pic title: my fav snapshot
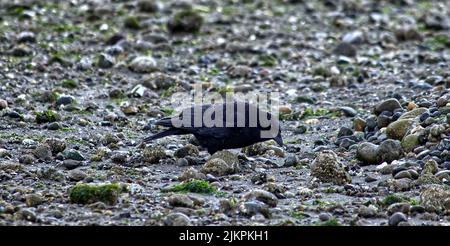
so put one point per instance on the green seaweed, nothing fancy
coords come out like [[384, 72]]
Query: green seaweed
[[193, 186], [69, 84], [46, 116], [86, 194]]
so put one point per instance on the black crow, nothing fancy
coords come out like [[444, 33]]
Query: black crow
[[242, 124]]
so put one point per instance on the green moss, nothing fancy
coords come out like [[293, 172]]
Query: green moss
[[391, 199], [169, 92], [46, 116], [267, 60], [16, 11], [187, 20], [304, 99], [77, 141], [438, 42], [310, 113], [321, 71], [229, 10], [132, 22], [356, 72], [168, 111], [224, 90], [285, 116], [83, 112], [69, 84], [194, 186], [297, 215], [214, 71], [86, 194], [413, 202], [61, 58]]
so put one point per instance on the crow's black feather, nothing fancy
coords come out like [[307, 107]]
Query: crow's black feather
[[215, 138]]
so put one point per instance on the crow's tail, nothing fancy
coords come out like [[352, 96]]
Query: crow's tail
[[167, 122], [172, 131]]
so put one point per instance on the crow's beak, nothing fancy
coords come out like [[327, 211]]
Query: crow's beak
[[279, 140]]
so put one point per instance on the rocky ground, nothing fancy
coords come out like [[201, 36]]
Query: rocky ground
[[364, 91]]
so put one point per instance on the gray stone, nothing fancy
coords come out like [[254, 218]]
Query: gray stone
[[327, 168], [398, 129], [388, 105], [177, 219], [180, 200], [143, 64], [390, 150], [262, 196], [368, 153], [396, 218], [410, 142]]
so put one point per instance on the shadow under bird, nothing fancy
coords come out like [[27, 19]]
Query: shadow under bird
[[242, 124]]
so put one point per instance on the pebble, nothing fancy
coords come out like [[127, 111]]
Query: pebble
[[120, 157], [368, 153], [187, 150], [430, 167], [3, 104], [390, 150], [354, 37], [255, 207], [71, 164], [153, 155], [325, 216], [191, 173], [33, 200], [74, 155], [398, 129], [291, 160], [345, 131], [180, 200], [143, 64], [64, 100], [389, 105], [414, 113], [130, 110], [147, 6], [177, 219], [26, 37], [410, 142], [359, 124], [403, 174], [399, 207], [217, 167], [56, 145], [77, 175], [185, 21], [396, 218], [443, 174], [263, 196], [43, 152], [348, 111], [327, 168], [28, 215], [345, 49], [27, 159], [54, 126], [367, 212]]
